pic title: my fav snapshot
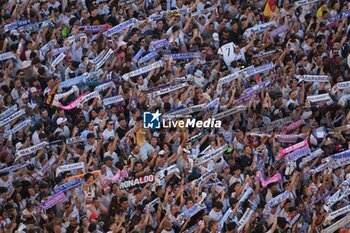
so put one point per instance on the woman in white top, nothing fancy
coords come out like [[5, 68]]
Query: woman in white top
[[109, 130], [90, 187]]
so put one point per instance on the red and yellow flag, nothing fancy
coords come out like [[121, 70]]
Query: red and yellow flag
[[270, 8]]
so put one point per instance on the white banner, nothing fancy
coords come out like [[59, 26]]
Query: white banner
[[193, 210], [47, 47], [89, 97], [343, 85], [304, 2], [278, 199], [224, 218], [113, 99], [311, 157], [338, 212], [104, 86], [8, 112], [319, 98], [211, 155], [67, 93], [198, 182], [56, 62], [18, 127], [5, 56], [74, 140], [187, 78], [259, 28], [169, 170], [205, 11], [275, 201], [98, 57], [30, 150], [259, 69], [70, 167], [143, 70], [340, 86], [294, 220], [340, 164], [12, 117], [152, 203], [120, 27], [229, 112], [77, 37], [235, 75], [337, 196], [104, 59], [168, 90], [342, 128], [186, 111], [245, 218], [342, 222], [245, 195], [313, 78]]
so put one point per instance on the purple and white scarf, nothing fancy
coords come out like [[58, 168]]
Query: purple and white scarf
[[53, 200], [288, 138], [15, 25], [293, 126], [138, 55], [119, 27], [148, 56], [295, 155], [338, 17], [12, 117], [66, 186], [154, 45], [14, 168], [182, 56], [47, 166], [281, 29], [5, 56]]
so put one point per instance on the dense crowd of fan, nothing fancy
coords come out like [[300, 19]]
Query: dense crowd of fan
[[78, 77]]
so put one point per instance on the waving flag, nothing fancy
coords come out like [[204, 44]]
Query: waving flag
[[270, 8]]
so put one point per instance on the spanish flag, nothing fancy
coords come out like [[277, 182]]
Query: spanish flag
[[270, 8]]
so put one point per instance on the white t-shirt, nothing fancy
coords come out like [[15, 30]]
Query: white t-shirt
[[35, 138], [144, 85], [7, 184], [227, 52], [113, 155], [216, 216], [65, 131], [107, 134], [91, 147], [234, 179]]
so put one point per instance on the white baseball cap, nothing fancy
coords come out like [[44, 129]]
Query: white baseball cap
[[24, 96], [33, 89], [25, 64], [14, 32], [121, 43], [18, 145], [216, 36], [61, 120], [198, 73]]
